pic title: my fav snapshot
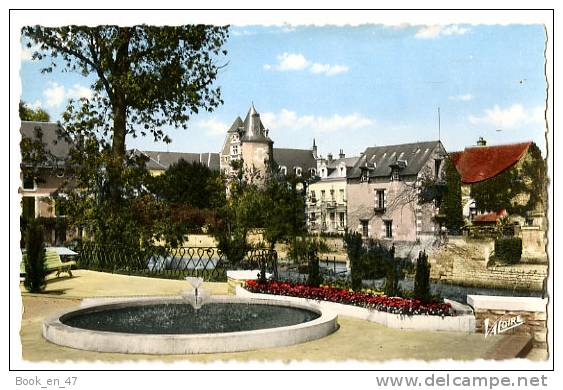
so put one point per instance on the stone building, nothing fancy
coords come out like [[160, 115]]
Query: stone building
[[326, 196], [383, 191], [249, 141]]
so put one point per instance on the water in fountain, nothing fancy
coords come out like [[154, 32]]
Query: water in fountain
[[197, 296]]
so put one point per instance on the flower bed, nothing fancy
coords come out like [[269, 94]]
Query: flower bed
[[394, 305]]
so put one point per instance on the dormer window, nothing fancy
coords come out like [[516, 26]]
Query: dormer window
[[342, 171], [395, 174], [298, 171], [312, 172], [364, 177], [283, 170], [323, 174]]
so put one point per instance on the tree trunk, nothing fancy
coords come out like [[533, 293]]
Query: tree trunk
[[120, 70]]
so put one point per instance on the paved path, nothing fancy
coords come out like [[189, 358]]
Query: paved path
[[355, 340]]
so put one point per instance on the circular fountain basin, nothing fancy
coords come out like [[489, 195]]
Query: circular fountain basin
[[173, 326]]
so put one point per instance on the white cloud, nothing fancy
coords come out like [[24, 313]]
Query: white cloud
[[56, 94], [463, 98], [290, 61], [79, 91], [296, 62], [213, 127], [510, 117], [329, 70], [432, 32], [34, 105], [290, 120]]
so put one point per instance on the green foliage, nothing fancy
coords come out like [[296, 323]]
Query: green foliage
[[241, 213], [36, 115], [392, 276], [34, 259], [422, 278], [526, 179], [508, 250], [355, 251], [145, 78], [188, 183], [284, 210], [372, 262], [451, 206]]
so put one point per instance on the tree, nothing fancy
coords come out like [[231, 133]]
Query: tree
[[145, 77], [451, 207], [192, 184], [422, 278], [355, 251], [284, 210], [518, 189], [29, 114], [34, 258]]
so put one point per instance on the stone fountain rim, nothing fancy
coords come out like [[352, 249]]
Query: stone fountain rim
[[103, 341]]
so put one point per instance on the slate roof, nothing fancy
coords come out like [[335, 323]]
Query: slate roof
[[50, 130], [292, 158], [379, 158], [479, 163], [333, 165], [162, 160], [252, 129]]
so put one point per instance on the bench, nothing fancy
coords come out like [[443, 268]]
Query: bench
[[52, 263]]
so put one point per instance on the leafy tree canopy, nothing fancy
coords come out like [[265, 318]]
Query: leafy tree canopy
[[30, 114], [145, 77]]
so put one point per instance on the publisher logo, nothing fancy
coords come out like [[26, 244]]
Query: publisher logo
[[502, 325]]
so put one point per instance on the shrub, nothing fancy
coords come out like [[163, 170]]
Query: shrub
[[355, 251], [422, 278], [508, 250], [314, 277], [392, 274], [34, 260]]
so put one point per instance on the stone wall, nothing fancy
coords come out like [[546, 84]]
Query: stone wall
[[533, 312]]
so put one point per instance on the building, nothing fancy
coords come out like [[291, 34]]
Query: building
[[326, 196], [36, 189], [480, 163], [159, 162], [249, 141], [383, 191]]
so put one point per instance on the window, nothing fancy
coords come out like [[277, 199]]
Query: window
[[297, 171], [342, 196], [313, 172], [331, 194], [313, 196], [341, 219], [437, 164], [342, 171], [28, 207], [234, 149], [388, 229], [365, 229], [313, 217], [380, 199], [364, 177], [29, 183], [283, 170], [322, 194], [395, 175]]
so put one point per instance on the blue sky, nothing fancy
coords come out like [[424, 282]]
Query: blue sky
[[353, 87]]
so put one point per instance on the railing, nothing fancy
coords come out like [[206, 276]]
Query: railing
[[174, 263], [298, 271]]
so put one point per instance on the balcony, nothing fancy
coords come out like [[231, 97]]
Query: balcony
[[330, 204]]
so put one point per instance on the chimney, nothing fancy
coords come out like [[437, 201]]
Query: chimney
[[481, 142], [341, 154], [329, 156]]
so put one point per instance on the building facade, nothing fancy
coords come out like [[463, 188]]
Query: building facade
[[326, 200], [383, 191]]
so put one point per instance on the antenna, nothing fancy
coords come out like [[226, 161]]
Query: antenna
[[439, 125]]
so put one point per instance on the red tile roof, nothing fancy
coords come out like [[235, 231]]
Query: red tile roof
[[490, 217], [480, 163]]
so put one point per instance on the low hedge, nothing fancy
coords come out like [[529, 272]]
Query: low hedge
[[508, 250]]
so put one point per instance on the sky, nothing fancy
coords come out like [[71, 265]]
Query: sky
[[353, 87]]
